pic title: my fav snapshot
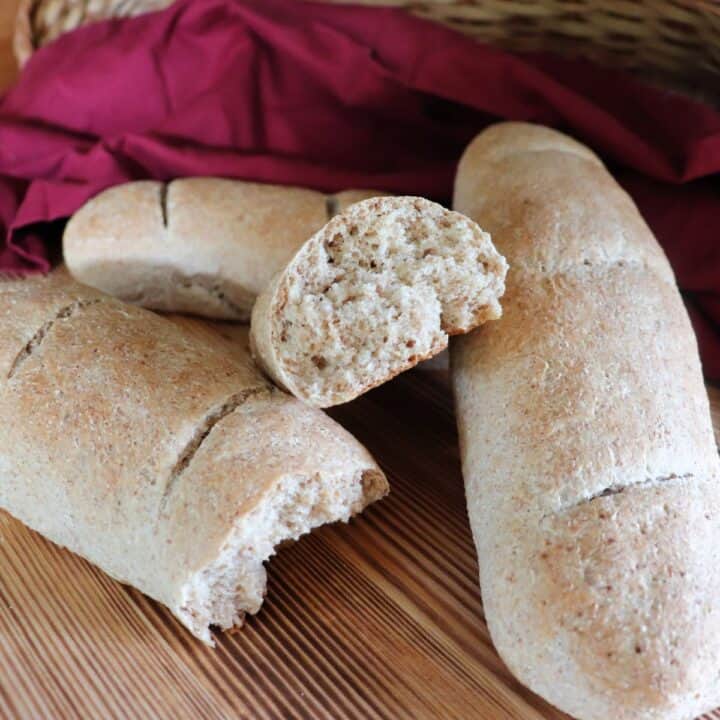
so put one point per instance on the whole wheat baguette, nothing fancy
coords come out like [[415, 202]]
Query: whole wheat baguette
[[373, 293], [158, 455], [590, 468], [205, 246]]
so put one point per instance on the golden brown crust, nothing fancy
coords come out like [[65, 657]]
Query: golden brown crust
[[123, 423], [566, 209], [635, 590], [205, 246], [586, 440], [254, 228]]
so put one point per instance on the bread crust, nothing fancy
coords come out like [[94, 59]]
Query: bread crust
[[205, 246], [143, 448], [591, 472]]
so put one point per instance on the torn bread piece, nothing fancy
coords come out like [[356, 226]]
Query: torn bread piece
[[162, 458], [373, 293], [205, 246]]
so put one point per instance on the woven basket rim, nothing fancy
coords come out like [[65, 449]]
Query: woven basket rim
[[682, 66], [23, 45]]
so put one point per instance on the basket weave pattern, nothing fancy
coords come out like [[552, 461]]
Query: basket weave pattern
[[41, 21], [676, 40], [679, 38]]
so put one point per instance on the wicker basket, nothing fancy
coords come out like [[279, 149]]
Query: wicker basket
[[675, 42], [680, 38], [41, 21]]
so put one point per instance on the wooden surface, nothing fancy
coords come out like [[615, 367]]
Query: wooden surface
[[379, 618]]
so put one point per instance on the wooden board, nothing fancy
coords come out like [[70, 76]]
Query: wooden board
[[377, 619]]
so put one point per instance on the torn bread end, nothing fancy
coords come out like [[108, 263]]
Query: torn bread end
[[233, 584], [377, 290]]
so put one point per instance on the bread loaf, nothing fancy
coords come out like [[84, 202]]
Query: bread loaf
[[373, 293], [205, 246], [590, 467], [158, 455]]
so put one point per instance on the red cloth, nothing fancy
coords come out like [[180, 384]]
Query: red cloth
[[333, 97]]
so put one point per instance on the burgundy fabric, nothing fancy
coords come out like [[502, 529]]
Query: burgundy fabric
[[333, 97]]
